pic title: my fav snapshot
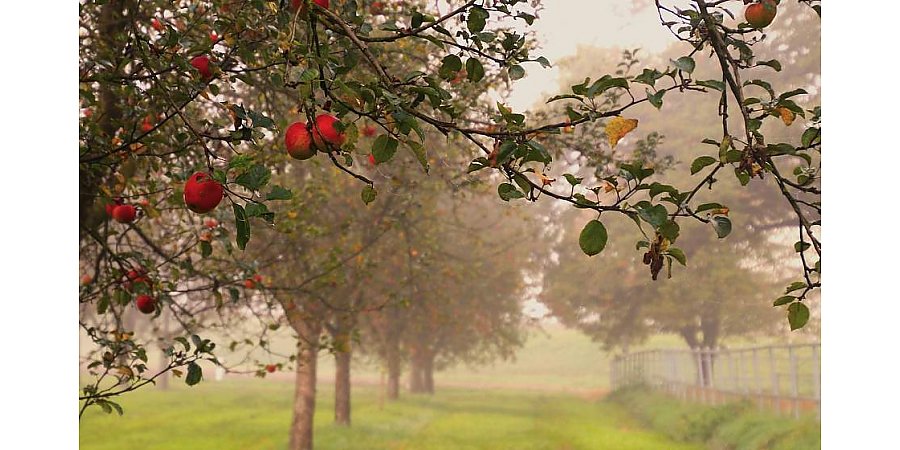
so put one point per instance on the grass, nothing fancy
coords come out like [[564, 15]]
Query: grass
[[255, 414]]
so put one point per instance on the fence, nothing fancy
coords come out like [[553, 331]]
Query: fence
[[783, 378]]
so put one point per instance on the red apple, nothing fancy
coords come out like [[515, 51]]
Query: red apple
[[206, 236], [145, 304], [376, 8], [258, 278], [202, 194], [135, 276], [211, 223], [156, 24], [325, 132], [88, 112], [301, 4], [124, 213], [249, 283], [111, 206], [201, 63], [761, 14], [146, 125], [271, 368], [297, 140], [213, 36], [86, 279], [372, 159], [368, 131]]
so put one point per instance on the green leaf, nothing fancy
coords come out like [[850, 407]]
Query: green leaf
[[508, 192], [477, 19], [656, 99], [368, 194], [685, 63], [800, 246], [516, 72], [279, 193], [242, 224], [572, 179], [655, 215], [474, 69], [260, 120], [773, 63], [194, 374], [670, 230], [722, 225], [712, 84], [798, 315], [784, 300], [678, 255], [205, 249], [593, 238], [384, 148], [450, 65], [797, 285], [810, 136], [700, 163], [707, 207], [254, 178]]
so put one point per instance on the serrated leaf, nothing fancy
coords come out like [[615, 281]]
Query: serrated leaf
[[593, 238], [368, 194], [798, 315]]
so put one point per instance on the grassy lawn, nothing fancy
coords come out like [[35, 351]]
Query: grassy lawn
[[255, 414]]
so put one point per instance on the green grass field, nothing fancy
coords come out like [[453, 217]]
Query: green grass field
[[255, 414]]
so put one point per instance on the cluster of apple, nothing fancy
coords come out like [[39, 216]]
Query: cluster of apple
[[761, 14], [120, 211], [250, 283]]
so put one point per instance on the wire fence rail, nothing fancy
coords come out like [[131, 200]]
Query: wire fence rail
[[783, 378]]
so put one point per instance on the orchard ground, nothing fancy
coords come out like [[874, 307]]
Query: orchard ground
[[551, 397]]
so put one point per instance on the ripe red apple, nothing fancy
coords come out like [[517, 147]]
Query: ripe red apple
[[124, 213], [111, 206], [86, 279], [326, 131], [301, 4], [201, 63], [145, 304], [136, 276], [271, 368], [211, 223], [368, 131], [88, 112], [202, 194], [146, 125], [761, 14], [297, 140], [249, 283], [258, 278], [156, 24], [213, 36]]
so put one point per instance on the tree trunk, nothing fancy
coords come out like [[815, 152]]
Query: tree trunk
[[393, 384], [416, 375], [342, 388], [305, 393], [428, 373]]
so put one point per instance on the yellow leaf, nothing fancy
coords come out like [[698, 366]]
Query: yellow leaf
[[545, 181], [618, 127], [787, 116]]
